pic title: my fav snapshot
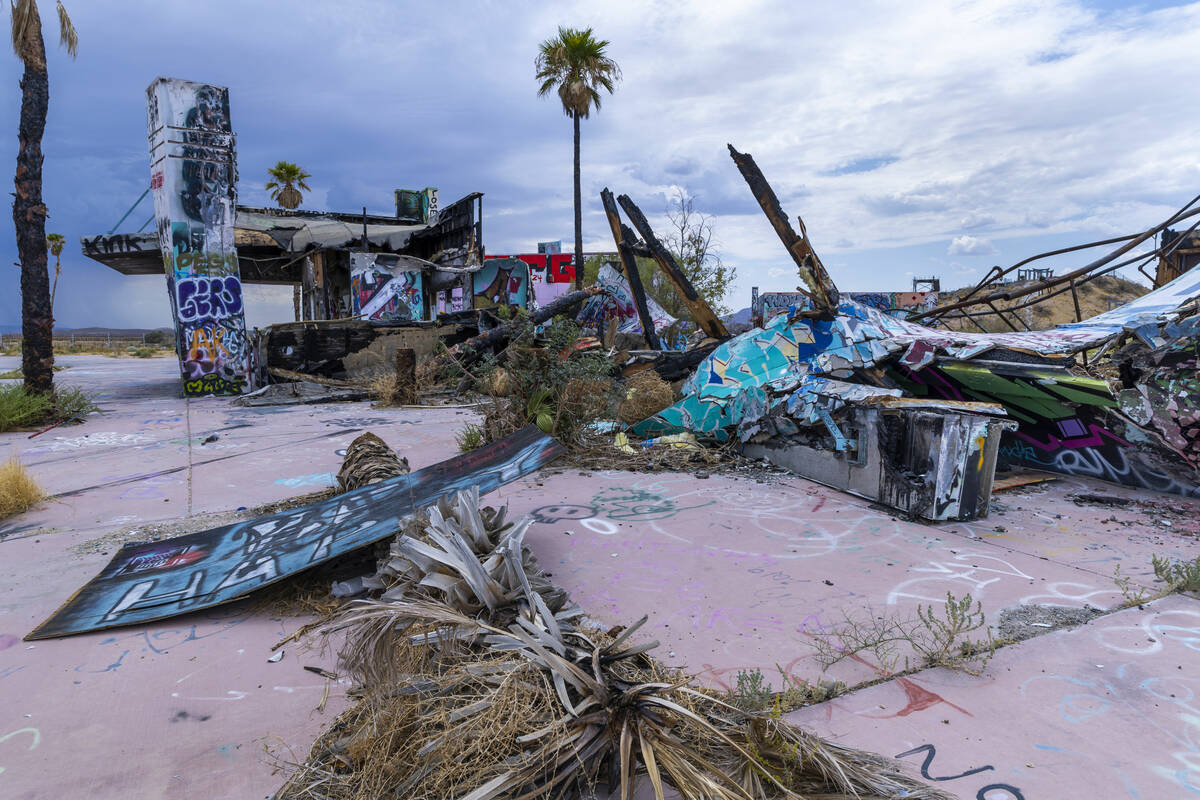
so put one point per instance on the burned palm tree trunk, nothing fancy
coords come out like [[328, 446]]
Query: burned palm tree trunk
[[624, 239], [821, 289], [708, 321], [29, 217]]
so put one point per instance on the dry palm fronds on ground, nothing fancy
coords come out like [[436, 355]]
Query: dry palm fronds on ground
[[479, 682], [18, 491]]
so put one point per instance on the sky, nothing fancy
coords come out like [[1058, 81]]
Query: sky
[[915, 138]]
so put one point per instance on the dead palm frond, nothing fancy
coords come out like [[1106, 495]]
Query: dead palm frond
[[27, 24], [67, 37], [492, 692]]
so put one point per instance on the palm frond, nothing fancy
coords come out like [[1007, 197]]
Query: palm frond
[[516, 699], [67, 37], [25, 24]]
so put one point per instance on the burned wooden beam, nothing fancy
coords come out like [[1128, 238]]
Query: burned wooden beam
[[624, 238], [821, 288], [473, 349], [701, 311]]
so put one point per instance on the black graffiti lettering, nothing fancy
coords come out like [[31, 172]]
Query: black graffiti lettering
[[116, 243], [1010, 792], [931, 751]]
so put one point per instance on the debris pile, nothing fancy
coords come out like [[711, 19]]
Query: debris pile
[[479, 679], [918, 417]]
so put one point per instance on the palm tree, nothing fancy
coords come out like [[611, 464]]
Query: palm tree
[[575, 63], [29, 213], [285, 178], [55, 242]]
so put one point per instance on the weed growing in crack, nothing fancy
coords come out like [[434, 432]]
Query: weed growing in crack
[[1134, 594], [937, 637], [1178, 575], [753, 693]]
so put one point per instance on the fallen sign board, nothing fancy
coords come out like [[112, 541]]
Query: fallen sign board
[[147, 581]]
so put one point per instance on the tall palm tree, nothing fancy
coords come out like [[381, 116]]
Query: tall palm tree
[[55, 242], [29, 213], [576, 64], [285, 178]]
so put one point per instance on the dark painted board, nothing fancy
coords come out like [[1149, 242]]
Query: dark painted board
[[148, 581]]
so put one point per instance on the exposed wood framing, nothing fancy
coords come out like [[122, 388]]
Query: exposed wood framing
[[701, 311], [623, 238]]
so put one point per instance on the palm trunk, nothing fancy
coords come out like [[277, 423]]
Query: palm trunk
[[54, 286], [578, 213], [29, 218]]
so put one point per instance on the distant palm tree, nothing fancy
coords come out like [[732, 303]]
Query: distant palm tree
[[576, 64], [29, 212], [55, 242], [285, 178]]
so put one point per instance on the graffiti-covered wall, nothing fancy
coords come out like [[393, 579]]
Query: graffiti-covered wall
[[193, 174], [501, 282], [1068, 423], [381, 288], [617, 302]]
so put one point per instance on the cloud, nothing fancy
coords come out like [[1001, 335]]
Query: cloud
[[919, 123], [973, 220], [970, 246], [865, 164]]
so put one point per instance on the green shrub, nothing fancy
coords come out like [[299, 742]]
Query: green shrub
[[1178, 575], [549, 383], [471, 437], [19, 409]]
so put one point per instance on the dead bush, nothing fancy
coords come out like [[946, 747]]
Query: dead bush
[[18, 491], [645, 395]]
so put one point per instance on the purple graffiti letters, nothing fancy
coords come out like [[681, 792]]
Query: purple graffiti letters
[[208, 298]]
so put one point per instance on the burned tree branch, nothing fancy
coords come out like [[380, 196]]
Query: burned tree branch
[[623, 237], [821, 289], [708, 321]]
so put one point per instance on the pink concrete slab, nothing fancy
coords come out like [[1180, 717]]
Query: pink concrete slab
[[1110, 710], [186, 709], [738, 575], [734, 574]]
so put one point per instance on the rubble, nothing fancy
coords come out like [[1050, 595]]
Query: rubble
[[807, 387]]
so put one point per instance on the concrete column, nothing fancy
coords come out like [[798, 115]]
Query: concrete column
[[193, 174]]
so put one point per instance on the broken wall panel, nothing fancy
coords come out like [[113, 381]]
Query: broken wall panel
[[194, 178], [934, 463], [147, 581], [1068, 424], [501, 282], [383, 287], [618, 303]]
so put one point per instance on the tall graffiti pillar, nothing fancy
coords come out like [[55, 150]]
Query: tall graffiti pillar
[[193, 173]]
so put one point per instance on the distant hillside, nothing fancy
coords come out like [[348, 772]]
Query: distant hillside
[[1095, 297], [92, 331]]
